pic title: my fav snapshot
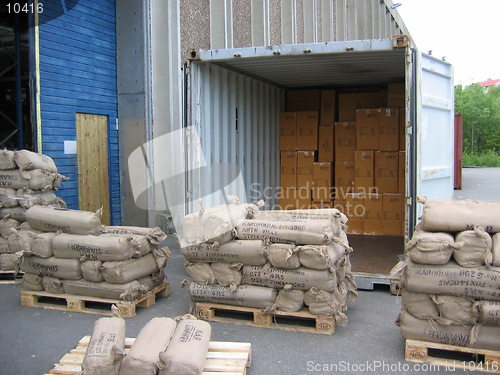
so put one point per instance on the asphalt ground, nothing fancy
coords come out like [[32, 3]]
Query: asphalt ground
[[33, 339]]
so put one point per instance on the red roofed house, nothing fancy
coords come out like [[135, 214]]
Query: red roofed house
[[489, 83]]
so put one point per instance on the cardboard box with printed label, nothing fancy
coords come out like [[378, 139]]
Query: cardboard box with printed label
[[388, 130], [373, 214], [328, 108], [307, 131], [363, 171], [323, 182], [293, 199], [367, 128], [326, 143], [344, 178], [396, 95], [305, 161], [355, 211], [386, 171], [345, 141], [288, 131], [288, 169], [392, 219], [350, 102]]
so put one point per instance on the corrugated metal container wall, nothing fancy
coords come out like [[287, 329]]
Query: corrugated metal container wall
[[77, 74], [218, 24]]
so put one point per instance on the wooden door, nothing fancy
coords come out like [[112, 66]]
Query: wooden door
[[93, 177]]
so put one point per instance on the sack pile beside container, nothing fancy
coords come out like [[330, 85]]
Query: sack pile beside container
[[451, 275], [239, 255], [27, 179]]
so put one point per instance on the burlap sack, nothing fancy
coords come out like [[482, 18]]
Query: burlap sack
[[32, 282], [288, 299], [52, 285], [13, 179], [219, 222], [323, 257], [28, 160], [40, 179], [4, 246], [28, 198], [420, 305], [42, 244], [143, 357], [299, 232], [477, 245], [151, 281], [51, 219], [451, 279], [62, 268], [301, 278], [431, 248], [106, 347], [7, 160], [186, 353], [89, 247], [121, 272], [140, 242], [154, 235], [17, 213], [485, 337], [336, 218], [488, 312], [8, 226], [8, 198], [127, 292], [324, 303], [201, 273], [456, 310], [459, 215], [227, 274], [21, 240], [9, 262], [91, 270], [495, 251], [282, 255], [244, 295], [191, 230], [249, 253]]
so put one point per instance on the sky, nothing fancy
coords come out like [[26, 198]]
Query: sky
[[465, 32]]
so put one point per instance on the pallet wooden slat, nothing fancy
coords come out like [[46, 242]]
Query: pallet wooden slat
[[76, 303], [11, 277], [418, 351], [276, 319], [228, 358]]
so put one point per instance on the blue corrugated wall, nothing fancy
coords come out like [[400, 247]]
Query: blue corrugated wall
[[78, 74]]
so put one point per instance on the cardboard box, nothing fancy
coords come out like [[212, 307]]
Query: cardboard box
[[367, 128], [373, 214], [288, 169], [396, 95], [355, 211], [345, 141], [388, 129], [328, 108], [382, 99], [340, 192], [386, 171], [344, 173], [288, 131], [293, 199], [339, 205], [363, 171], [305, 160], [320, 205], [323, 182], [307, 130], [350, 102], [303, 100], [402, 129], [402, 172], [393, 214], [326, 144]]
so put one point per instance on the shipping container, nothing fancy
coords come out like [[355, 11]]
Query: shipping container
[[234, 98]]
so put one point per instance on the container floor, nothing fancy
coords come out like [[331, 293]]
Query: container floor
[[375, 254]]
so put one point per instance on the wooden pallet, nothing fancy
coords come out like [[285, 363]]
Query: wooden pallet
[[11, 277], [302, 321], [451, 356], [228, 358], [92, 305]]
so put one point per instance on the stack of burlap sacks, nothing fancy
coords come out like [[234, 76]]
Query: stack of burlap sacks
[[237, 254], [69, 251], [164, 346], [26, 179], [450, 277]]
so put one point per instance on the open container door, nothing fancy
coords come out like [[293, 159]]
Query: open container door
[[434, 128]]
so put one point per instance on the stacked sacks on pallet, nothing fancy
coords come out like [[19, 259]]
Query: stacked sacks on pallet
[[451, 279], [72, 252], [278, 260], [26, 179]]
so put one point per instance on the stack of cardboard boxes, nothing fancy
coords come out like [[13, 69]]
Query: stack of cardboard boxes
[[352, 158]]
